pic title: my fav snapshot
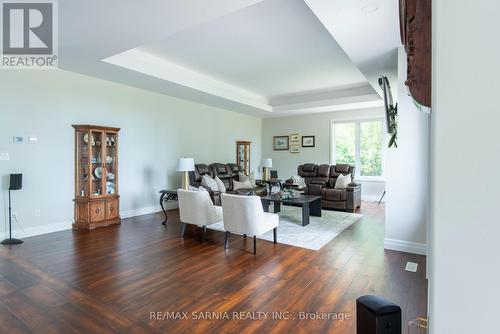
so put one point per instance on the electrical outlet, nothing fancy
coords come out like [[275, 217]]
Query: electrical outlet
[[411, 266], [18, 139], [38, 213], [4, 156], [14, 215]]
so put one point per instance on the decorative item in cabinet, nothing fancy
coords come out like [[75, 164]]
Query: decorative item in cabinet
[[243, 156], [97, 198]]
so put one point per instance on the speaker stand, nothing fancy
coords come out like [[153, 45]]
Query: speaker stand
[[11, 241]]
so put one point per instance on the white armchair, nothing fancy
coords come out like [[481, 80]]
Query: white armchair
[[245, 215], [196, 208]]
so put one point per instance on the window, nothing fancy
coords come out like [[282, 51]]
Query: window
[[359, 143]]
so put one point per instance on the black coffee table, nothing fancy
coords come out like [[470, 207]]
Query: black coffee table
[[311, 205]]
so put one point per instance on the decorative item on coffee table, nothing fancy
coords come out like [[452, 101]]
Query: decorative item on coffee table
[[96, 176]]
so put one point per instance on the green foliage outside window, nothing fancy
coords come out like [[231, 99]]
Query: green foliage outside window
[[370, 146], [345, 143]]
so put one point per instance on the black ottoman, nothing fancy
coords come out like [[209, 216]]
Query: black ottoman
[[375, 315]]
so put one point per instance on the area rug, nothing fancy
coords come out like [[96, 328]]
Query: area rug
[[318, 233]]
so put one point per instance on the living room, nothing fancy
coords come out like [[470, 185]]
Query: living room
[[219, 168]]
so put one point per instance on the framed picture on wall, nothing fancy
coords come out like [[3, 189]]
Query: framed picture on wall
[[281, 143], [308, 141], [295, 138], [294, 148]]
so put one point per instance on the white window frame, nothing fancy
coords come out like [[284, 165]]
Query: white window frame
[[357, 157]]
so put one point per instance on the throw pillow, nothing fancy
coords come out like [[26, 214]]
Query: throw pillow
[[220, 184], [200, 188], [242, 185], [250, 178], [209, 183], [343, 181], [299, 181]]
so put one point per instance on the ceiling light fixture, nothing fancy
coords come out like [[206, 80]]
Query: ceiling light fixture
[[370, 8]]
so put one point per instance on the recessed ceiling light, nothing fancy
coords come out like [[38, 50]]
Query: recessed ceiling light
[[370, 8]]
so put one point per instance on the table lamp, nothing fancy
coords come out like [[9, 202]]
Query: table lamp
[[266, 164], [185, 165]]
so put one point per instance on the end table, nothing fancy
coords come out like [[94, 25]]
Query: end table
[[167, 195]]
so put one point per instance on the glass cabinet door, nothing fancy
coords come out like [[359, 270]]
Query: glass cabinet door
[[96, 163], [111, 163], [82, 163], [243, 156]]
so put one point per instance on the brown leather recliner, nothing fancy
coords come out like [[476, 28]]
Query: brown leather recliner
[[348, 199], [224, 173], [196, 176], [320, 181]]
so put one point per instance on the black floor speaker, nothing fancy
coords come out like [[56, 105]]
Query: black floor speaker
[[375, 315], [16, 182]]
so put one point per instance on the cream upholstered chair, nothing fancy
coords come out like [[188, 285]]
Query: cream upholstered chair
[[245, 215], [196, 208]]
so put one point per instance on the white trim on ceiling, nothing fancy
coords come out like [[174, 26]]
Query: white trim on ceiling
[[148, 64], [335, 99]]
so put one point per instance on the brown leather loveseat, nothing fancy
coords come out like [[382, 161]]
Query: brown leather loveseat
[[320, 181]]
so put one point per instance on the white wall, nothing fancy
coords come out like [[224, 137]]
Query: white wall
[[465, 228], [156, 131], [407, 177], [318, 125]]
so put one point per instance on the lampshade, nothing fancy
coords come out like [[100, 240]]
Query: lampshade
[[268, 163], [185, 165]]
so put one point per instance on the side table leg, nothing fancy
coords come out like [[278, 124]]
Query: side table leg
[[277, 206], [162, 197], [265, 205]]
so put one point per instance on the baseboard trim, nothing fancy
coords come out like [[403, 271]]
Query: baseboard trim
[[147, 210], [66, 225], [405, 246], [37, 230], [372, 199]]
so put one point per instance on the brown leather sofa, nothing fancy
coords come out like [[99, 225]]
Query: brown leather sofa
[[227, 173], [320, 181]]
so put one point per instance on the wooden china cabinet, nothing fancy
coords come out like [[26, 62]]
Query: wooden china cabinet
[[97, 200], [243, 156]]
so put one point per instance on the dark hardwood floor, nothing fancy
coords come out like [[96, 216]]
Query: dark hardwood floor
[[110, 280]]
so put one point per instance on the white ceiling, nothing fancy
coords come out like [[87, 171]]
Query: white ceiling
[[369, 38], [267, 58], [275, 47]]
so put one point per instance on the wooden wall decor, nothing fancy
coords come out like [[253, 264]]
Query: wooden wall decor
[[97, 200], [416, 36]]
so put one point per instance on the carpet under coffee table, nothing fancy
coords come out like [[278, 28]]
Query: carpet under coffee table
[[311, 205]]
